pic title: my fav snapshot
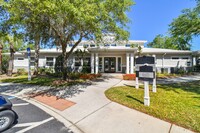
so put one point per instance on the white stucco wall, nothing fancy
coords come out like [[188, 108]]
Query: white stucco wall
[[168, 62]]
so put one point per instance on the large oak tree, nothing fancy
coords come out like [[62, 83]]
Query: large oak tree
[[74, 20]]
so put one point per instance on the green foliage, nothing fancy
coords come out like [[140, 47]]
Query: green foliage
[[74, 75], [61, 22], [5, 59], [182, 30], [44, 71], [21, 71], [161, 41], [186, 26]]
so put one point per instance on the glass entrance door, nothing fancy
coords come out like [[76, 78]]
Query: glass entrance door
[[110, 64]]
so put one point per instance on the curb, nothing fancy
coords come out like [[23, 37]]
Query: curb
[[51, 112]]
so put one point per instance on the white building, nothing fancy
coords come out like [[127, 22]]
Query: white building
[[118, 57]]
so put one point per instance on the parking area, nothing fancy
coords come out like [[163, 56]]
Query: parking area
[[32, 119]]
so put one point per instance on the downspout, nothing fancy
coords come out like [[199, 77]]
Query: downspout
[[163, 62]]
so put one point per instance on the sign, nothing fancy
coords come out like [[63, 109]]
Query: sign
[[145, 60], [29, 51], [145, 73], [29, 66]]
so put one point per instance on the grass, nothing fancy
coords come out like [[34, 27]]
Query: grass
[[42, 81], [176, 103]]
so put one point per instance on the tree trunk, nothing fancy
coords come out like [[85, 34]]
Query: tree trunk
[[1, 47], [11, 60], [37, 49], [64, 61]]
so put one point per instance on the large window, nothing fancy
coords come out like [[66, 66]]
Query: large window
[[49, 61]]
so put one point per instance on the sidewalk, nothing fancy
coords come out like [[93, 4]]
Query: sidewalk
[[94, 113]]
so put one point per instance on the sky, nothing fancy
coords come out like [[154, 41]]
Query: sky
[[152, 17]]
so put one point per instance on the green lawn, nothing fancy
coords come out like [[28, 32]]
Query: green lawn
[[176, 103], [43, 81], [24, 80]]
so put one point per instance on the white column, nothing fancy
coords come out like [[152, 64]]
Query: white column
[[92, 62], [154, 80], [127, 63], [146, 93], [194, 61], [96, 63], [132, 63]]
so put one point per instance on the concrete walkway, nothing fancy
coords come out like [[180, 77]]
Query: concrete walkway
[[179, 79], [94, 113]]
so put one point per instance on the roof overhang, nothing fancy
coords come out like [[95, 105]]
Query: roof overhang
[[112, 49]]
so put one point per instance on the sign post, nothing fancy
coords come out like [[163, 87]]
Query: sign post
[[146, 93], [145, 71], [154, 80], [29, 66]]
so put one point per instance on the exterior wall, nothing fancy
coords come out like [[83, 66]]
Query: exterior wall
[[167, 63], [24, 63]]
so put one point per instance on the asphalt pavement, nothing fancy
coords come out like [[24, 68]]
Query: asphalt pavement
[[32, 119]]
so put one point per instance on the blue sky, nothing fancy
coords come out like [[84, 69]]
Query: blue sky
[[152, 17]]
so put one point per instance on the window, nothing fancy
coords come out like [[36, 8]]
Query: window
[[77, 61], [128, 45], [185, 58], [100, 64], [20, 58], [49, 61], [86, 61], [86, 45], [71, 45], [113, 45], [175, 58], [119, 63], [106, 45], [92, 45], [32, 61]]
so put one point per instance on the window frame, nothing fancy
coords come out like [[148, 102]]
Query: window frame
[[19, 58], [48, 61], [175, 57]]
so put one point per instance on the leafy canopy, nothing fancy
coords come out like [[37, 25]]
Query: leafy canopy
[[182, 30]]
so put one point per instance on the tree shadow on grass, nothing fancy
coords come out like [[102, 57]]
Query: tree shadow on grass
[[35, 90], [193, 86], [40, 86], [135, 99]]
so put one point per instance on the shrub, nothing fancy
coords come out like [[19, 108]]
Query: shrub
[[41, 70], [5, 59], [129, 76], [21, 71], [90, 76], [74, 76]]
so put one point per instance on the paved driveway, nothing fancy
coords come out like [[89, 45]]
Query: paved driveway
[[31, 119]]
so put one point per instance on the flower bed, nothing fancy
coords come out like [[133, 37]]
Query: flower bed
[[129, 76], [90, 76]]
